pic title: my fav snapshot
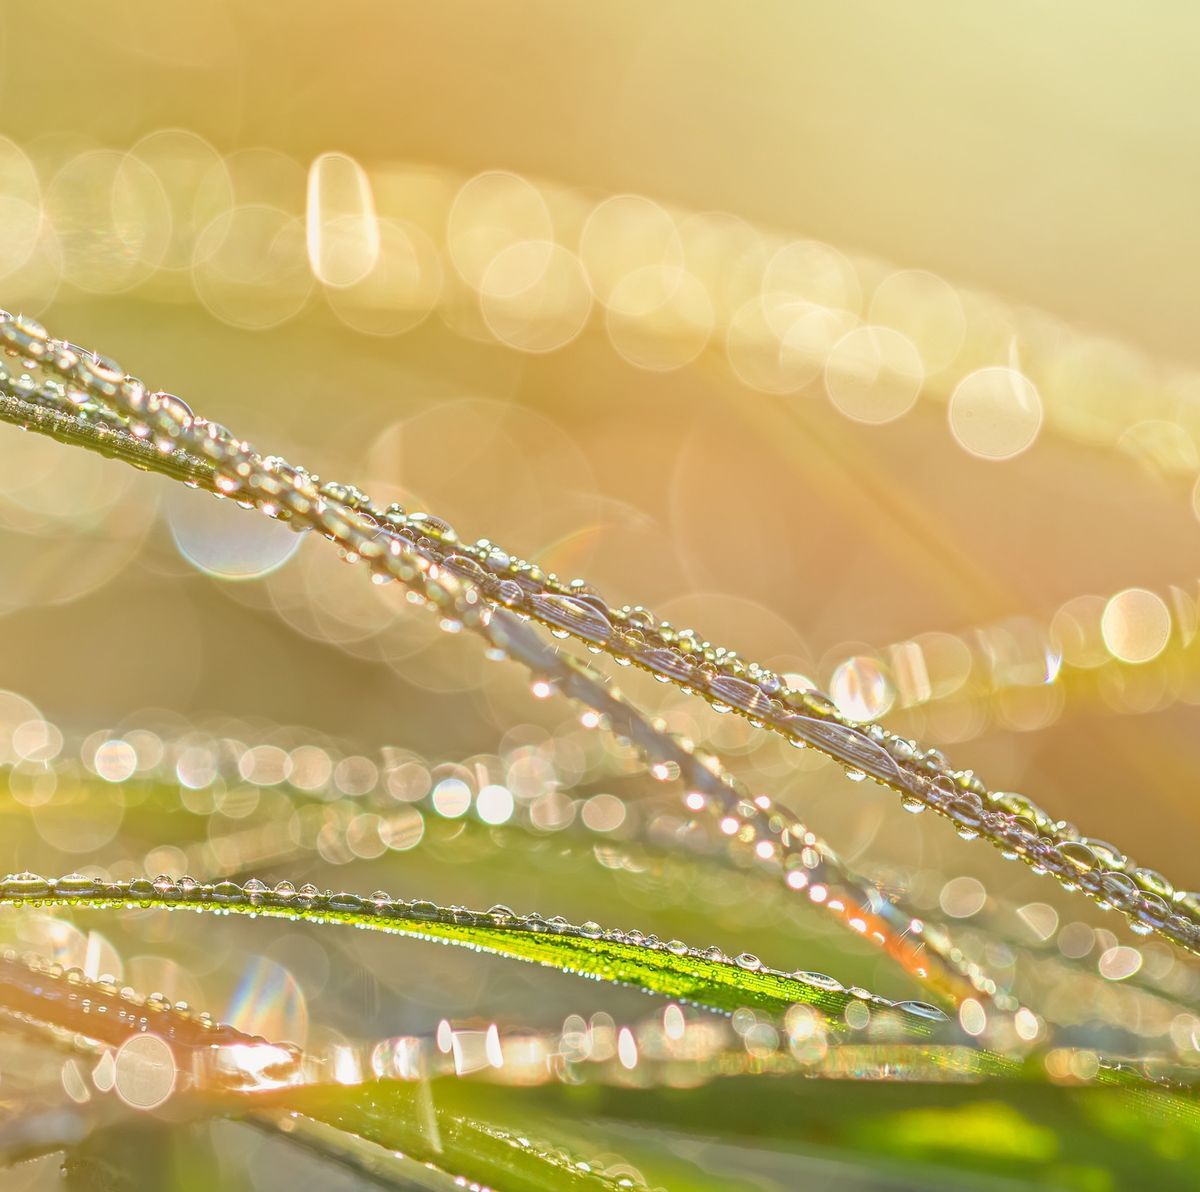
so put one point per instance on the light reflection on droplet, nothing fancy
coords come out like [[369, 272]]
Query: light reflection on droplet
[[995, 413], [1136, 625]]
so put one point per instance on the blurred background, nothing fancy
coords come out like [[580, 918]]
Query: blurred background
[[857, 337]]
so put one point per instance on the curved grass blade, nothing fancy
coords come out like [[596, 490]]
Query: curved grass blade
[[703, 977], [467, 584]]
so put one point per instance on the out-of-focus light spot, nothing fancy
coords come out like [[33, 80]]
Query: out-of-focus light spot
[[911, 673], [534, 296], [196, 183], [995, 413], [494, 804], [874, 374], [972, 1017], [74, 1084], [1040, 917], [491, 213], [451, 798], [105, 1072], [223, 541], [444, 1037], [857, 1015], [346, 1065], [1076, 940], [815, 273], [673, 1023], [403, 829], [627, 1051], [115, 761], [603, 813], [112, 220], [624, 233], [251, 267], [926, 309], [962, 897], [144, 1072], [778, 344], [401, 288], [659, 317], [1025, 1023], [552, 811], [355, 775], [20, 208], [495, 1053], [1075, 630], [1116, 964], [861, 688], [341, 228], [1136, 625]]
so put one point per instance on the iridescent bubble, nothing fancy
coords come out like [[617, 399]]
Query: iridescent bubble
[[995, 413]]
